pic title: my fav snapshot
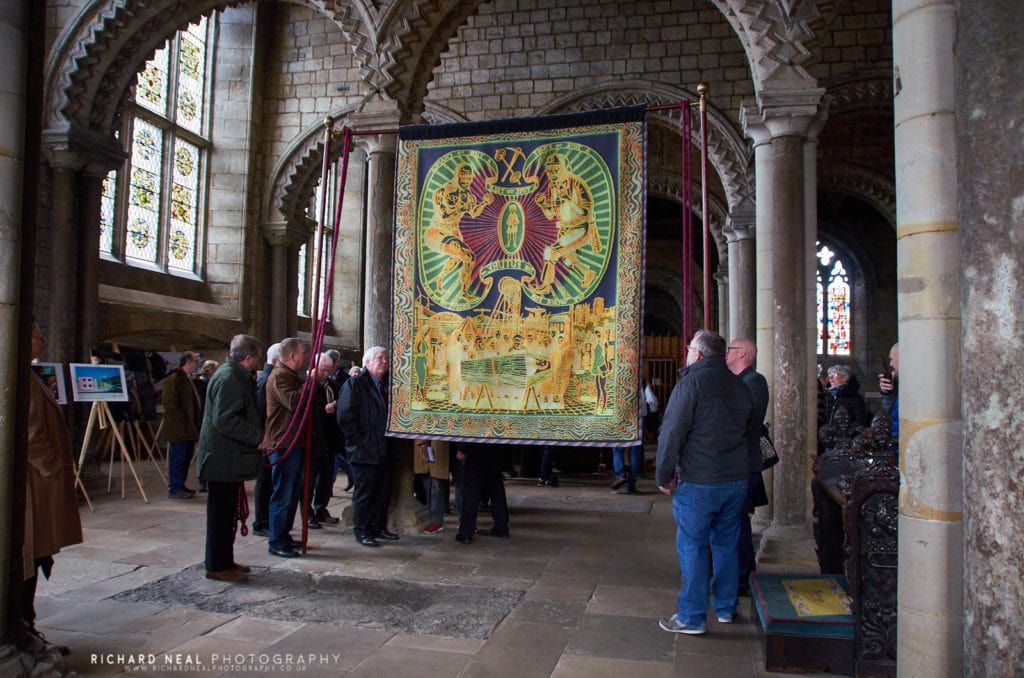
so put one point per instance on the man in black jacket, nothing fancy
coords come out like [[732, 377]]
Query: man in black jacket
[[703, 440], [363, 416]]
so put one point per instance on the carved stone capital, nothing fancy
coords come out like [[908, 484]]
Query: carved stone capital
[[740, 224], [74, 148], [780, 113], [377, 113], [285, 234]]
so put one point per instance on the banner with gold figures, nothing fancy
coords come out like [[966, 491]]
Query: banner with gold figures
[[518, 279]]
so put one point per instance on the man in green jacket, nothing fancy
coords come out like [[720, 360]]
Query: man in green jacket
[[228, 453], [183, 415]]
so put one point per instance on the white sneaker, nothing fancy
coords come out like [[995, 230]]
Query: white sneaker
[[722, 619], [673, 625]]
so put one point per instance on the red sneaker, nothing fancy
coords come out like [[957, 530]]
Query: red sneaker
[[434, 528]]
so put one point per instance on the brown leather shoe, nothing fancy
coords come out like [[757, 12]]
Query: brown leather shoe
[[245, 569], [231, 575]]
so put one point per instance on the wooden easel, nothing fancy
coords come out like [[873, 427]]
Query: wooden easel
[[134, 434], [101, 417]]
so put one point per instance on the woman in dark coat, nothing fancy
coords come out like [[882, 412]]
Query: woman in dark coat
[[844, 391]]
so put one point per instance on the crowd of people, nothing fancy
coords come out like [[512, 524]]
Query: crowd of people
[[239, 422]]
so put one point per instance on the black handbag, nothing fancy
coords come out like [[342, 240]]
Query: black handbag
[[769, 457]]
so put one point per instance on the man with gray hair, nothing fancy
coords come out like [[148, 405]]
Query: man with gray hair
[[228, 455], [703, 442], [363, 416], [284, 393]]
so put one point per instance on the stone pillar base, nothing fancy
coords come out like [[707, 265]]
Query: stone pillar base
[[787, 548]]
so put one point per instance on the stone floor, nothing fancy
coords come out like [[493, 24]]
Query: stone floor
[[576, 591]]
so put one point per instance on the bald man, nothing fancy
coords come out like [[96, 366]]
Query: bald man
[[740, 358]]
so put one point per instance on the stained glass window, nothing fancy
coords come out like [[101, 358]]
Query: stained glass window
[[191, 77], [107, 205], [144, 193], [833, 304], [163, 186], [151, 89]]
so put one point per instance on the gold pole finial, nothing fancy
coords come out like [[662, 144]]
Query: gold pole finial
[[328, 122], [702, 90]]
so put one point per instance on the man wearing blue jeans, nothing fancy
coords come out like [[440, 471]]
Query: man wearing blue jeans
[[703, 441], [183, 417], [284, 391]]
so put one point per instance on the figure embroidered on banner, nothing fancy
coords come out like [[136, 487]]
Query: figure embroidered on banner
[[567, 201], [453, 201]]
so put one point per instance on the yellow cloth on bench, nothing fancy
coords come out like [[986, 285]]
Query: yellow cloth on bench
[[818, 597]]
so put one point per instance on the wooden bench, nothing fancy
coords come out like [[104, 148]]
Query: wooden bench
[[857, 478]]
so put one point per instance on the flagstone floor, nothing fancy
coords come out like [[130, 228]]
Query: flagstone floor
[[576, 591]]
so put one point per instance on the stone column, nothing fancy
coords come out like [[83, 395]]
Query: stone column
[[721, 277], [989, 111], [88, 311], [779, 130], [61, 321], [405, 512], [13, 84], [283, 238], [739, 236], [930, 606], [380, 217]]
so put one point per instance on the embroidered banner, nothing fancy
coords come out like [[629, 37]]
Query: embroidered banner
[[518, 279]]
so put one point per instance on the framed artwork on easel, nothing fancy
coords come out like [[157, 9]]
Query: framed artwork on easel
[[52, 377], [98, 383]]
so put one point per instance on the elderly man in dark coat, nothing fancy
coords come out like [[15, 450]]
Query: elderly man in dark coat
[[703, 442], [363, 416], [228, 453]]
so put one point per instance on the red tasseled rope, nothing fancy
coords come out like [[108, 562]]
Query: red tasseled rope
[[686, 134], [293, 437]]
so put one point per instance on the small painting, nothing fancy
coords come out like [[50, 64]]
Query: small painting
[[98, 383], [52, 376]]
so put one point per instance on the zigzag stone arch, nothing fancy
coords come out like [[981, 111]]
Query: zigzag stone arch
[[778, 37], [867, 92], [99, 53], [399, 44], [294, 178], [877, 190], [728, 153], [667, 186]]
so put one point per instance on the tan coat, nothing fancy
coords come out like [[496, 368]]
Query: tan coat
[[439, 467], [183, 410], [51, 507]]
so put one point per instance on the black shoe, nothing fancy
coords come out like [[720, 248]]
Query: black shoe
[[384, 534], [547, 482], [367, 540], [492, 532], [313, 524], [619, 482], [283, 553], [260, 531], [463, 540], [351, 484], [324, 517], [181, 494]]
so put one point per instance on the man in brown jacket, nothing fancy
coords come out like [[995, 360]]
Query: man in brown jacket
[[51, 507], [284, 390], [183, 417]]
